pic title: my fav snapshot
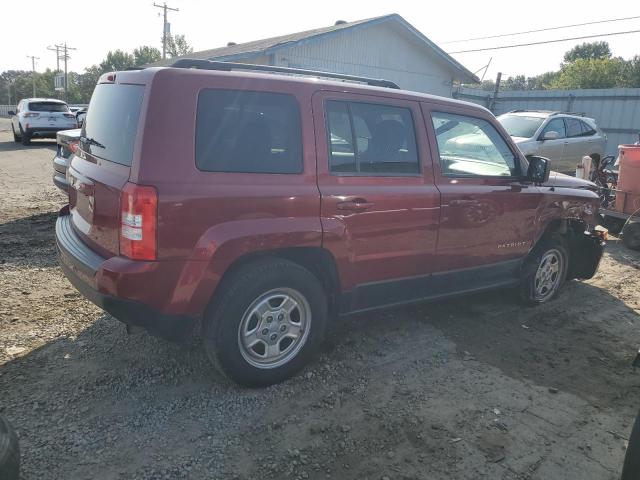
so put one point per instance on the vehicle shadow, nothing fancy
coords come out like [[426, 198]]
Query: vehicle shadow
[[583, 342], [29, 240], [10, 146]]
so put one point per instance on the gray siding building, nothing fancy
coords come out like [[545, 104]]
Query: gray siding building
[[386, 47]]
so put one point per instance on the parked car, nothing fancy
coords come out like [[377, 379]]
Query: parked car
[[67, 144], [40, 118], [562, 137], [81, 115], [259, 205]]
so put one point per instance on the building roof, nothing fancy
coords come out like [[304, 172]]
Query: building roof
[[270, 45]]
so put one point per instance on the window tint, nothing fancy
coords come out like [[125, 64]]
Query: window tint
[[370, 139], [587, 131], [111, 125], [48, 107], [555, 125], [472, 147], [574, 127], [248, 132]]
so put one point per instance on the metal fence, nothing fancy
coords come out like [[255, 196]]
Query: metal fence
[[617, 110]]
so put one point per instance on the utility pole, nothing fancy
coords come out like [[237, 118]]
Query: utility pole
[[65, 56], [165, 26], [56, 48], [33, 71], [492, 105]]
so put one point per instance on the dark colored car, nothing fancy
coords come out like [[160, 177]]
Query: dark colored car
[[67, 144], [255, 206]]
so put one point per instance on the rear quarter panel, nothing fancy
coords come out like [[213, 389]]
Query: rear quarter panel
[[207, 220]]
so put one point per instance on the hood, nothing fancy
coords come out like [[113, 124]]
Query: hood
[[566, 181]]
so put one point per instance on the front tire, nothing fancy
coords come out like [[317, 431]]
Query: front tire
[[545, 271], [267, 322], [16, 138]]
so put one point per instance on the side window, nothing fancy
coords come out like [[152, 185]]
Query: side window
[[248, 132], [472, 147], [587, 130], [555, 125], [574, 127], [371, 139]]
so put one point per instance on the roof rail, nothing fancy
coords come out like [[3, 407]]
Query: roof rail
[[228, 66], [577, 114]]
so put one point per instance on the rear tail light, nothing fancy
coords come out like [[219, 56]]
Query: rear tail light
[[73, 146], [138, 222], [31, 114]]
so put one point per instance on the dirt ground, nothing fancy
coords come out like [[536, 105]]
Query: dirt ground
[[477, 387]]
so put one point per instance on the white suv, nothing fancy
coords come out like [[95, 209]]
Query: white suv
[[562, 137], [40, 118]]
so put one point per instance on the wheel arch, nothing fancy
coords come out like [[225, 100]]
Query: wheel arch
[[319, 261]]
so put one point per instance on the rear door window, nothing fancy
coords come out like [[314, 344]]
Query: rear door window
[[371, 139], [248, 132], [110, 128], [574, 127]]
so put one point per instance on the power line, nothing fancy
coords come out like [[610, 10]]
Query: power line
[[541, 30], [545, 42]]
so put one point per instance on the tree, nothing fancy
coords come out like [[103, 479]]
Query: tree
[[591, 73], [542, 81], [632, 73], [588, 51], [144, 55], [177, 46], [117, 60]]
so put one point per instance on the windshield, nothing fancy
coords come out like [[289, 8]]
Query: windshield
[[48, 107], [519, 125], [110, 128]]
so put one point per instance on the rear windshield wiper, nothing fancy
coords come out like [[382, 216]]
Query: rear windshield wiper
[[92, 141]]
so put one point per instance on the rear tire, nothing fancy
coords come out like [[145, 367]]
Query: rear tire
[[266, 323], [26, 138], [9, 452], [631, 236], [545, 270], [631, 467]]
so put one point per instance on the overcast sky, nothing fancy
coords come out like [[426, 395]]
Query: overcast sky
[[95, 27]]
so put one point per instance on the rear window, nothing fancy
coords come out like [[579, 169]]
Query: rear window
[[248, 132], [109, 131], [47, 107]]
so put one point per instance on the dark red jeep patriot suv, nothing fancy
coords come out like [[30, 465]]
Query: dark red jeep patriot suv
[[252, 206]]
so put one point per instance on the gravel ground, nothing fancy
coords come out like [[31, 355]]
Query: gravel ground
[[473, 388]]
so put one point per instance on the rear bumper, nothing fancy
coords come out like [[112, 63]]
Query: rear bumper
[[60, 165], [46, 132], [84, 268]]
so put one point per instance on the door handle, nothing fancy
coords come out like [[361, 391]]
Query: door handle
[[356, 205]]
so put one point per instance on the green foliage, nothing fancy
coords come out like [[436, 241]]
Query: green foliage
[[177, 45], [591, 73], [588, 51], [144, 55], [589, 65], [117, 60]]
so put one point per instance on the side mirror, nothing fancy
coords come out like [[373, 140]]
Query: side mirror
[[11, 113], [539, 169], [550, 135]]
